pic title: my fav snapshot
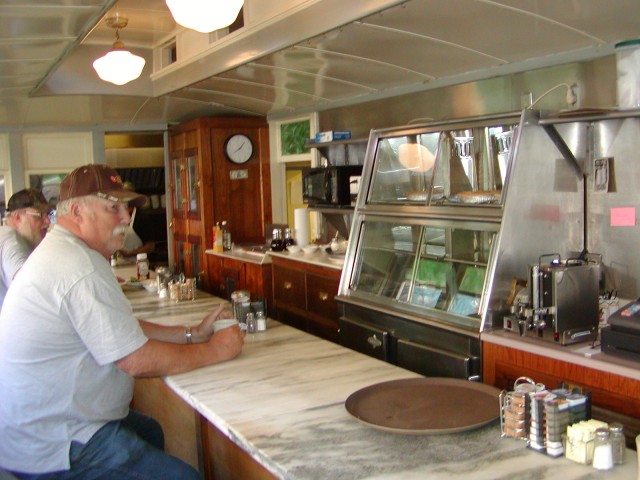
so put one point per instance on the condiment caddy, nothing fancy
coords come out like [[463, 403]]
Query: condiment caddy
[[558, 423]]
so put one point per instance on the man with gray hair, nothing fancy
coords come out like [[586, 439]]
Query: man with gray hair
[[70, 349], [27, 222]]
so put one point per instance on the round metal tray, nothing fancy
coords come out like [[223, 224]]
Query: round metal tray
[[425, 405]]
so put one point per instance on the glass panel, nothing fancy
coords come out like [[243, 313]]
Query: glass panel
[[386, 258], [403, 168], [177, 182], [193, 184], [466, 166], [436, 267]]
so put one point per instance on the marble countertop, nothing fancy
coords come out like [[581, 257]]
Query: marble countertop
[[320, 258], [282, 401]]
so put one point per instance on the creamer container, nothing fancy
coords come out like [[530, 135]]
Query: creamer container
[[142, 266]]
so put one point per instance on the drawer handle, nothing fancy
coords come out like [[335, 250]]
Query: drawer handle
[[323, 296], [374, 341], [288, 285]]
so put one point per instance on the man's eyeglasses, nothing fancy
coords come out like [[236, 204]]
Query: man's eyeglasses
[[41, 215]]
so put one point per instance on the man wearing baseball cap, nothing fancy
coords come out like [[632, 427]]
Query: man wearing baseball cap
[[27, 222], [70, 348]]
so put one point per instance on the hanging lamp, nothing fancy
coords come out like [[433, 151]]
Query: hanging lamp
[[118, 66], [205, 15]]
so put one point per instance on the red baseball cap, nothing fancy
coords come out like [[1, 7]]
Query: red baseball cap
[[101, 181]]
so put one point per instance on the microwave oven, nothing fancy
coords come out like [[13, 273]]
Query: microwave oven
[[336, 185]]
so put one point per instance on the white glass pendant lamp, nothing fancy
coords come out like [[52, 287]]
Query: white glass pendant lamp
[[118, 66], [205, 15]]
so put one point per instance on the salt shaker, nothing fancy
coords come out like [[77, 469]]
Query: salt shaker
[[261, 321], [251, 323], [602, 453], [618, 444]]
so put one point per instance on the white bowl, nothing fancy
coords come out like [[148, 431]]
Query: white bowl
[[294, 249], [150, 286], [309, 248]]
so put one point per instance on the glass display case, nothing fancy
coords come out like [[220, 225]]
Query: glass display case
[[420, 271]]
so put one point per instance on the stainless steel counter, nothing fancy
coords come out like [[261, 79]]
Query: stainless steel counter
[[282, 401]]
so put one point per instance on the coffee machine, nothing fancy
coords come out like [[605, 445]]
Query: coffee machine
[[560, 302]]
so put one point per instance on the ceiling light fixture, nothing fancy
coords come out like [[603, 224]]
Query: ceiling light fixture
[[118, 66], [205, 15]]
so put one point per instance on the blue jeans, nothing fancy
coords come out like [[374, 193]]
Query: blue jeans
[[129, 449]]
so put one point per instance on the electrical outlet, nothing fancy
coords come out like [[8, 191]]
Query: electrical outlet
[[526, 99]]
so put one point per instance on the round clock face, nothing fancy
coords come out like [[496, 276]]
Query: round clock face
[[238, 148]]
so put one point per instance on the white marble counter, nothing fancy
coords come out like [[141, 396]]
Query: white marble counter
[[319, 257], [242, 254], [282, 401], [582, 354]]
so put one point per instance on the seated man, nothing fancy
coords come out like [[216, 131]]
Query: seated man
[[70, 348], [27, 222]]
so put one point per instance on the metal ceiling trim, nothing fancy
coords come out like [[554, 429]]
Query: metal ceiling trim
[[371, 61], [313, 75], [431, 39], [86, 30], [260, 85], [255, 41], [544, 19]]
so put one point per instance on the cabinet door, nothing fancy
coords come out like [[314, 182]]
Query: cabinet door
[[289, 287], [367, 339], [322, 306]]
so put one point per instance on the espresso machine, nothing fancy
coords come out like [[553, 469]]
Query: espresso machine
[[559, 303]]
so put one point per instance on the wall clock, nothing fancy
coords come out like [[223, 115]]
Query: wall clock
[[238, 148]]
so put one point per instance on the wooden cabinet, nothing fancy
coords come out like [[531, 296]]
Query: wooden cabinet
[[614, 397], [304, 297], [208, 188], [227, 274]]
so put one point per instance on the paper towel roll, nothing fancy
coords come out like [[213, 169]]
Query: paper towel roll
[[301, 225]]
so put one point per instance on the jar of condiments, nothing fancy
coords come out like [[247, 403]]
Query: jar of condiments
[[618, 444], [602, 451], [277, 242], [288, 238], [142, 266]]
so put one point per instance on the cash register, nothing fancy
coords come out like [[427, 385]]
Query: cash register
[[622, 334]]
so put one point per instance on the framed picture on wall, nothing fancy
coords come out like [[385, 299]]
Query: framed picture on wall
[[292, 136]]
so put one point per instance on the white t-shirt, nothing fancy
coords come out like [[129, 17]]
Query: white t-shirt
[[64, 323], [14, 250]]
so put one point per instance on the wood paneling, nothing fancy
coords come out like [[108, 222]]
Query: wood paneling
[[224, 460], [180, 423]]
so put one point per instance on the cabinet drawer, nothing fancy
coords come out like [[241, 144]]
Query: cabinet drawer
[[366, 339], [288, 287], [321, 293], [433, 362]]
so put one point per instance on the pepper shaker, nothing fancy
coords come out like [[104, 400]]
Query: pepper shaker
[[251, 323]]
